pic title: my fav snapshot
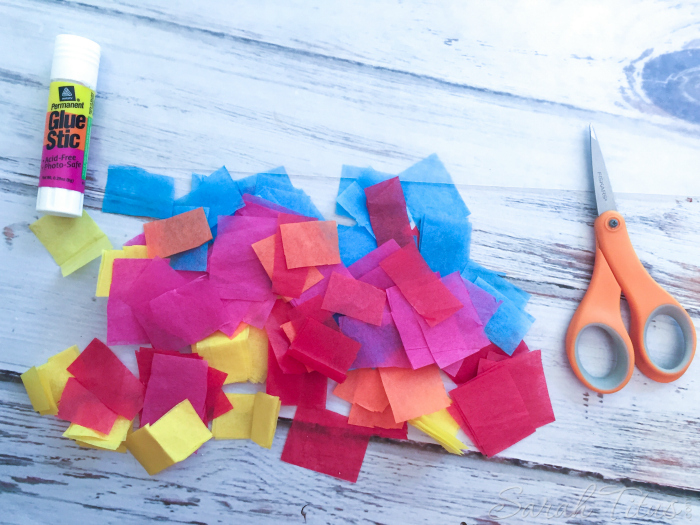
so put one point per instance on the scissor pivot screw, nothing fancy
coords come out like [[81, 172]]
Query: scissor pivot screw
[[613, 223]]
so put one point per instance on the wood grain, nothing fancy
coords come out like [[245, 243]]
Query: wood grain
[[503, 96], [238, 481], [272, 104]]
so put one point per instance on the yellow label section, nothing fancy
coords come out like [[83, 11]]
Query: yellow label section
[[71, 97]]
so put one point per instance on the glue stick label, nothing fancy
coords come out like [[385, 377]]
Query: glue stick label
[[67, 136]]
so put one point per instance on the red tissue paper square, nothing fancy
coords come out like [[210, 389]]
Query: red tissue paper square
[[348, 296], [174, 379], [464, 370], [421, 287], [387, 212], [493, 410], [217, 404], [103, 374], [144, 360], [323, 441], [324, 350], [80, 406], [528, 374], [308, 389], [278, 340]]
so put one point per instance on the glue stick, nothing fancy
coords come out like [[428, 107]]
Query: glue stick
[[76, 61]]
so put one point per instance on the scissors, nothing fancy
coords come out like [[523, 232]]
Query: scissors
[[616, 268]]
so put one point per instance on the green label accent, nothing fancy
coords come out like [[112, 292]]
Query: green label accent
[[87, 147]]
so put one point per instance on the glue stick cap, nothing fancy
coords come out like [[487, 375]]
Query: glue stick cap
[[76, 58]]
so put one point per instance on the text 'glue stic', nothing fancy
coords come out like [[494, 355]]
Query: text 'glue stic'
[[76, 61]]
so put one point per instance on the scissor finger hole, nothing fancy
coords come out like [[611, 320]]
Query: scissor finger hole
[[668, 338], [602, 357], [596, 351], [665, 343]]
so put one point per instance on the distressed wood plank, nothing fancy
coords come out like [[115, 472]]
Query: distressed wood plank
[[43, 476], [274, 105], [184, 88], [588, 56]]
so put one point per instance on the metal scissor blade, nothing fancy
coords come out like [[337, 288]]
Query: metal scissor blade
[[604, 198]]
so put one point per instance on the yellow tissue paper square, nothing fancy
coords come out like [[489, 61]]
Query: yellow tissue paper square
[[265, 414], [147, 451], [112, 441], [136, 252], [54, 371], [180, 432], [171, 439], [45, 383], [444, 420], [39, 392], [104, 277], [236, 423], [442, 427], [228, 355], [71, 242], [257, 345]]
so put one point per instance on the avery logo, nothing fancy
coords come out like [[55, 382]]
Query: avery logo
[[66, 93]]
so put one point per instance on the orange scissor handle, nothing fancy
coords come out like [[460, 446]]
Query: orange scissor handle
[[600, 308], [645, 297]]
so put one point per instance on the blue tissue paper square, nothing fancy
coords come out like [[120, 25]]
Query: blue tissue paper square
[[370, 177], [247, 184], [429, 190], [350, 174], [274, 178], [473, 270], [508, 326], [444, 243], [354, 201], [296, 200], [134, 191], [490, 289], [354, 243], [278, 181], [518, 296], [218, 192]]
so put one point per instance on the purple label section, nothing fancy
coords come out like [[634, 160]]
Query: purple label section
[[62, 169]]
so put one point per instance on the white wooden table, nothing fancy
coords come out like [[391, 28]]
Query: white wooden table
[[503, 92]]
